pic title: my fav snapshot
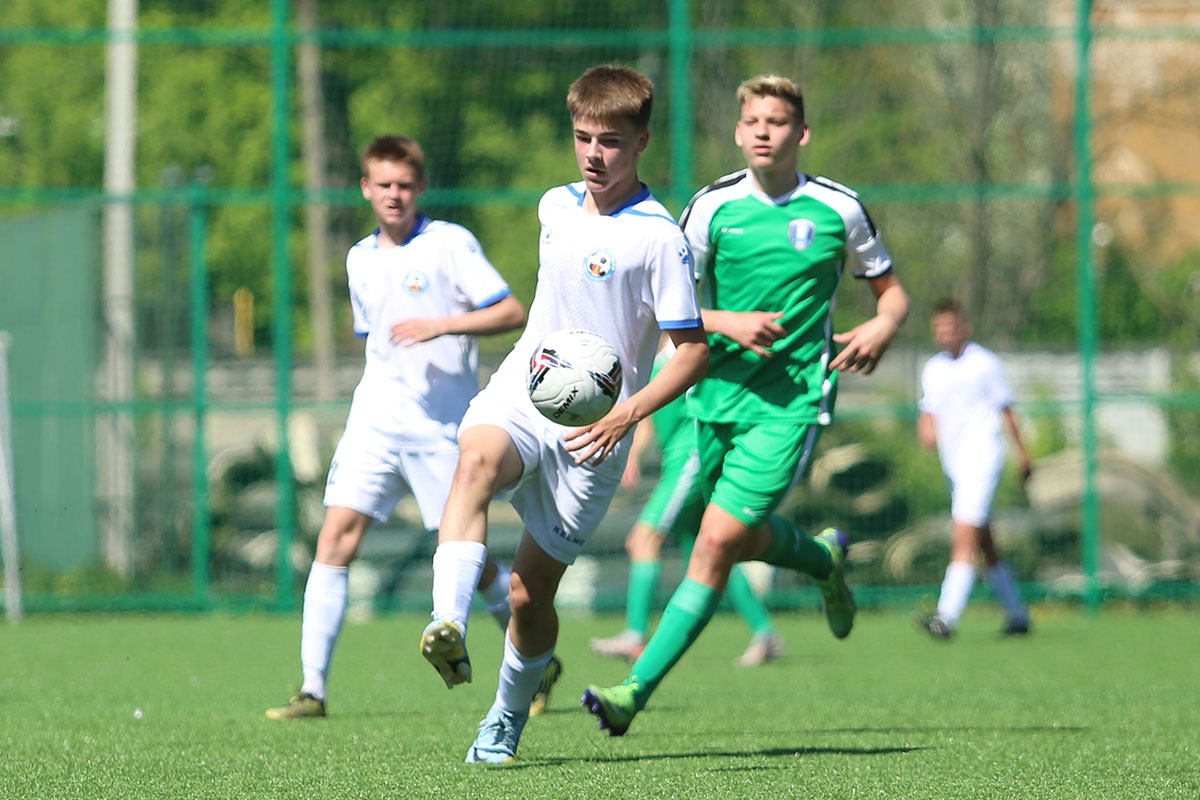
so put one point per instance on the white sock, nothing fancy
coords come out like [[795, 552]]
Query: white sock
[[956, 590], [495, 594], [1004, 584], [324, 609], [519, 678], [456, 570]]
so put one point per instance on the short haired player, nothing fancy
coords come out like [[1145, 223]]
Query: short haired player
[[613, 261], [667, 515], [965, 402], [422, 292], [770, 245]]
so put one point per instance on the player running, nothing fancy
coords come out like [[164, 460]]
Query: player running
[[668, 515], [770, 245], [422, 292], [613, 261]]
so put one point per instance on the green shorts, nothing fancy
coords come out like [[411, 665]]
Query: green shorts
[[676, 504], [747, 469]]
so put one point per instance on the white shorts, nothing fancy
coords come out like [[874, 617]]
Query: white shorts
[[370, 473], [560, 502], [972, 490]]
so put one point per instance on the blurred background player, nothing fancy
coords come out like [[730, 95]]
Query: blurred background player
[[421, 291], [965, 401], [666, 514], [612, 261], [770, 245]]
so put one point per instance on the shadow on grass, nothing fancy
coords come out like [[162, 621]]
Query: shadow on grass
[[774, 752], [960, 729]]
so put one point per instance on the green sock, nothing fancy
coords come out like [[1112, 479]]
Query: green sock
[[639, 598], [747, 603], [687, 612], [792, 549]]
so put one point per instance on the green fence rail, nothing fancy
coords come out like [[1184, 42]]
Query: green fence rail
[[693, 57]]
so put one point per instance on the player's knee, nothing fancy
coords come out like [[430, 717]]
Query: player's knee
[[337, 543], [527, 600], [475, 468], [717, 548]]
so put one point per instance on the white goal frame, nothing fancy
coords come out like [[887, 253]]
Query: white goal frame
[[8, 501]]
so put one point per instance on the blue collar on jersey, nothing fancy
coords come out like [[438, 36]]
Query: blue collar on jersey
[[419, 224], [626, 206]]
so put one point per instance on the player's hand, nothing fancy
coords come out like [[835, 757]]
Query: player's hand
[[864, 344], [595, 442], [417, 329], [632, 475], [1025, 469], [754, 330]]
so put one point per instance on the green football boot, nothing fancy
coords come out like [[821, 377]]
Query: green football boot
[[835, 595], [614, 707]]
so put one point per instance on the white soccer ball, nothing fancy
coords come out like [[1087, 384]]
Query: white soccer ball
[[574, 377]]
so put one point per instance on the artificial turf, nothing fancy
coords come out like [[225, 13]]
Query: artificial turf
[[1102, 706]]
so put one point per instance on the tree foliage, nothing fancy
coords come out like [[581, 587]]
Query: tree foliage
[[929, 133]]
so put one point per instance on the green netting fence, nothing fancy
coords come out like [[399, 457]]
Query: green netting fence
[[178, 188]]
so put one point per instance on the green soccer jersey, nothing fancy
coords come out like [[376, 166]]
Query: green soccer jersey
[[757, 253]]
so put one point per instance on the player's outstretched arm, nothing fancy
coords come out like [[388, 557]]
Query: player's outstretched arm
[[686, 366], [753, 330], [865, 344], [504, 315]]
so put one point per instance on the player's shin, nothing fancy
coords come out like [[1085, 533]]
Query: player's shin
[[495, 595], [687, 613], [457, 566], [791, 548], [324, 610], [520, 677]]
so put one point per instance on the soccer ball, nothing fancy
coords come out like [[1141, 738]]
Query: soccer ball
[[574, 377]]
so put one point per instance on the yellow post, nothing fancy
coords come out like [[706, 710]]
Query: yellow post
[[243, 322]]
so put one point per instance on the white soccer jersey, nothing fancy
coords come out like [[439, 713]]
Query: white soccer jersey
[[625, 275], [966, 396], [417, 394]]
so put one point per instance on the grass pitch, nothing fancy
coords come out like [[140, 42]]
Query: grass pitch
[[1086, 707]]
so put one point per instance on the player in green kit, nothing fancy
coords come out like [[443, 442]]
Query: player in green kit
[[670, 514], [770, 245]]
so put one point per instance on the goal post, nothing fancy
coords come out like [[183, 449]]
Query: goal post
[[8, 501]]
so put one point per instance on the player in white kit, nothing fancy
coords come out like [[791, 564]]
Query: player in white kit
[[613, 261], [965, 402], [422, 292]]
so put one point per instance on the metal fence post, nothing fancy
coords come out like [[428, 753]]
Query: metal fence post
[[1084, 199]]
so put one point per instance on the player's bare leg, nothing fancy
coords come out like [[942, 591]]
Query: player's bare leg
[[528, 651], [488, 460]]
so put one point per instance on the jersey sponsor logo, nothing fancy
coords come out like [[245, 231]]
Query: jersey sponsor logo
[[733, 230], [801, 232], [547, 236], [415, 281], [600, 264], [685, 256]]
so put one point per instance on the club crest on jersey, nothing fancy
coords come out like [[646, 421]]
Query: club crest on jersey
[[600, 264], [415, 281], [801, 232]]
